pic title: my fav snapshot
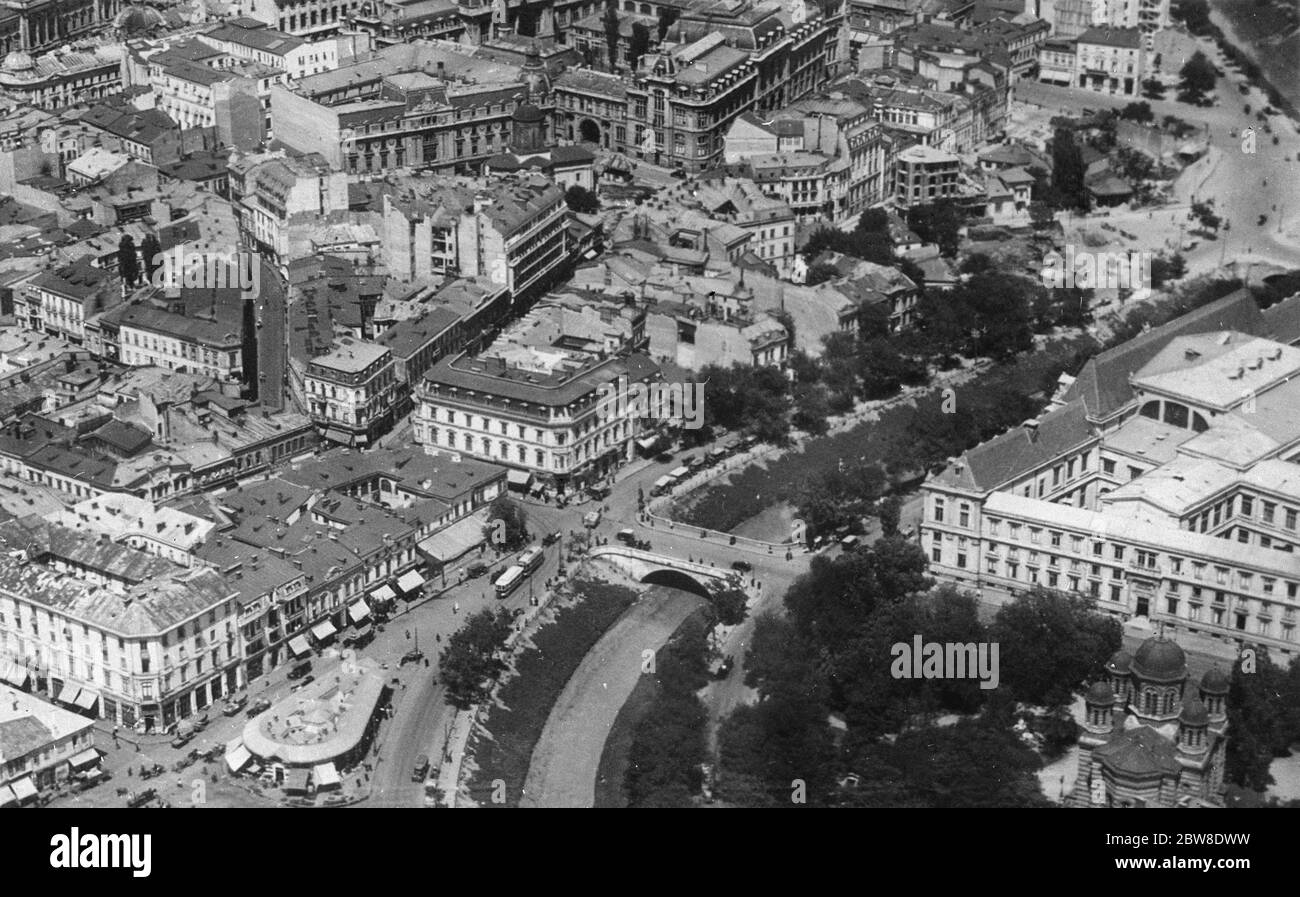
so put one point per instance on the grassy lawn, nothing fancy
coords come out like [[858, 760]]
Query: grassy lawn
[[541, 673]]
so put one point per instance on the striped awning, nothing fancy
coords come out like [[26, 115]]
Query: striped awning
[[86, 700], [323, 629], [298, 645], [383, 593], [358, 611], [68, 694]]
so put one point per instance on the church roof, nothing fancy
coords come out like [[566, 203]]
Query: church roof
[[1160, 660], [1139, 753]]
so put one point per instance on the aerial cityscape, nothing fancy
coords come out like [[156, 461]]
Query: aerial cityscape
[[683, 403]]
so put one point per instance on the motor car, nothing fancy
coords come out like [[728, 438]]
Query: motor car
[[421, 768], [300, 670], [234, 705], [304, 682], [724, 669], [626, 536], [476, 569], [261, 705], [141, 798], [182, 739], [550, 538], [742, 566]]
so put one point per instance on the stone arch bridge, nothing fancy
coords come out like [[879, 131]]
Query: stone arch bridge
[[658, 569]]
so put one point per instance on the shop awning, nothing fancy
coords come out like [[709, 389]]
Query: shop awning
[[358, 611], [7, 796], [298, 645], [23, 788], [68, 694], [336, 435], [325, 775], [648, 443], [323, 630], [238, 758], [518, 477], [410, 581], [383, 593], [87, 757], [455, 541], [86, 700]]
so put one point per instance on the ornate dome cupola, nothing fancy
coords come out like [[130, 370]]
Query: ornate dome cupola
[[1159, 672], [1192, 723], [1119, 668], [527, 130], [1214, 692], [1100, 705]]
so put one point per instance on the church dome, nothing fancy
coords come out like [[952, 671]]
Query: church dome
[[527, 114], [1214, 682], [1194, 713], [1120, 663], [1100, 694], [138, 18], [17, 61], [1160, 660]]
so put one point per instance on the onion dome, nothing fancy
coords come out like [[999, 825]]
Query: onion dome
[[1120, 663], [1214, 682], [1100, 695], [1194, 713], [1160, 660]]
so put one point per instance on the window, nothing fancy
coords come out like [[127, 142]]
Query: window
[[938, 510], [1119, 552], [1243, 534], [1269, 510], [1134, 473], [1116, 594], [1171, 605], [1290, 518], [1035, 535], [964, 515], [1097, 548], [1107, 465], [1056, 540], [936, 554], [1247, 506], [993, 526]]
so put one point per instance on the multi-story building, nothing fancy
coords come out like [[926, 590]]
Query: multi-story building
[[719, 61], [394, 21], [1110, 60], [61, 301], [545, 413], [512, 231], [1056, 61], [924, 175], [56, 80], [412, 105], [1148, 16], [302, 18], [278, 194], [295, 57], [131, 637], [1165, 487], [34, 25], [351, 391], [148, 335]]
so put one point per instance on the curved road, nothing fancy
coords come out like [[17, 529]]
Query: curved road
[[565, 761]]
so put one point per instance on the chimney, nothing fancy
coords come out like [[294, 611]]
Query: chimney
[[1031, 430]]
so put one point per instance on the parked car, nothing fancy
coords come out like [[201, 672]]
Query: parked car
[[149, 772], [742, 566], [421, 768], [724, 668], [201, 722], [234, 705], [476, 569], [626, 536], [304, 682], [182, 739], [550, 538], [261, 705], [300, 670]]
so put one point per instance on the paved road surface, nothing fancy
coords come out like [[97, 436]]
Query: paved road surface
[[567, 756]]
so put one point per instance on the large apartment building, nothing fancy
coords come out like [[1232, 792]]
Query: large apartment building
[[718, 61], [512, 231], [544, 413], [1165, 487], [351, 391]]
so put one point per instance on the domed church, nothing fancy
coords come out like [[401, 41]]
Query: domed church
[[1146, 742]]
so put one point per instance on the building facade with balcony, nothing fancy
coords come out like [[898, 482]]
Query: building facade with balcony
[[537, 412], [924, 175], [351, 391], [1111, 61]]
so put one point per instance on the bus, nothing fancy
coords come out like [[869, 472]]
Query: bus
[[531, 559], [509, 581]]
